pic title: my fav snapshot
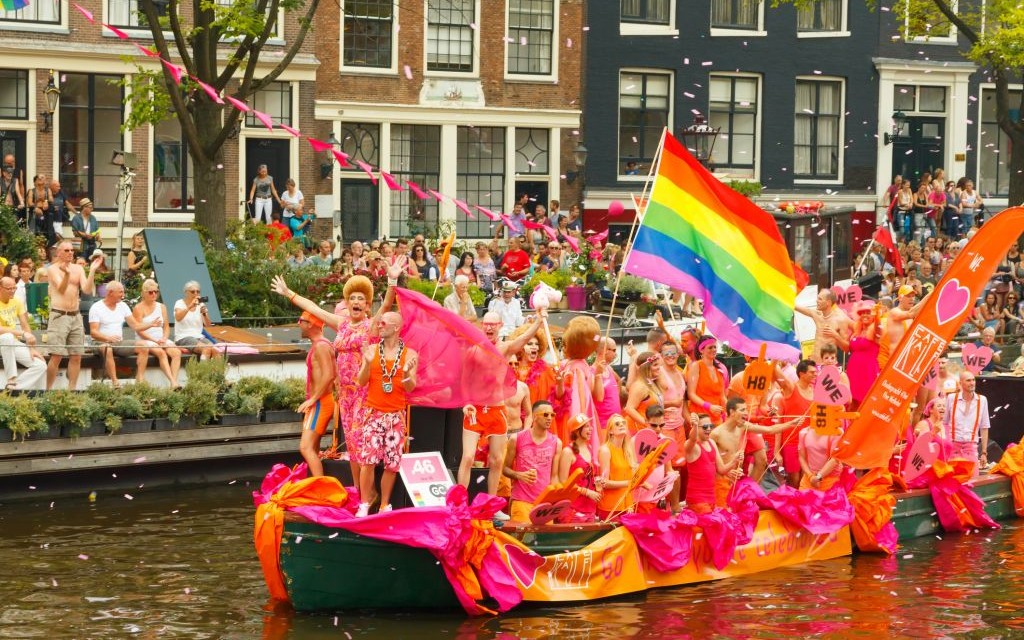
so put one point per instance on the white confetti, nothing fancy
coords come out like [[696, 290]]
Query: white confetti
[[128, 496]]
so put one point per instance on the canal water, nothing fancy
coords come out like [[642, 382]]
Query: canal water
[[180, 564]]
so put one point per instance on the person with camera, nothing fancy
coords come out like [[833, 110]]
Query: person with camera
[[190, 318]]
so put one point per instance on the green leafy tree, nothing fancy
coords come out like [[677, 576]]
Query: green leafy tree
[[221, 43]]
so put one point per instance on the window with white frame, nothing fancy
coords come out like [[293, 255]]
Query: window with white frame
[[908, 97], [416, 156], [172, 168], [655, 12], [994, 145], [924, 22], [367, 33], [736, 14], [480, 179], [644, 110], [450, 35], [531, 34], [816, 145], [91, 114], [126, 13], [14, 94], [733, 108], [820, 16], [275, 100], [242, 11], [38, 12], [361, 141], [532, 151]]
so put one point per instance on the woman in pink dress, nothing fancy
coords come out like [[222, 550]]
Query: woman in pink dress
[[862, 365], [933, 416], [579, 454], [356, 330]]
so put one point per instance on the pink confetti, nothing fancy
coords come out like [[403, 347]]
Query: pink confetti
[[82, 556], [568, 43], [408, 72], [139, 459]]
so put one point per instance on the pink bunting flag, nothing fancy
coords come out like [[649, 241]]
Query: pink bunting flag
[[487, 212], [530, 224], [292, 130], [599, 237], [573, 243], [341, 157], [238, 104], [210, 91], [391, 182], [264, 118], [368, 169], [117, 32], [174, 70], [505, 220], [463, 207], [437, 195], [549, 232], [84, 12], [147, 51], [415, 188], [319, 145]]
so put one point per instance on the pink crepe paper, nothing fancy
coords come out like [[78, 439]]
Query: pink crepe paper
[[319, 145], [943, 490], [549, 232], [391, 182], [487, 212], [117, 32], [84, 12], [463, 207], [174, 70], [665, 541], [573, 243], [415, 188], [267, 121], [210, 91], [529, 224], [341, 157], [238, 104], [147, 51], [292, 130], [437, 196], [368, 169], [816, 511], [599, 237]]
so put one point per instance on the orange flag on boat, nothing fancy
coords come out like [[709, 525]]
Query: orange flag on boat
[[446, 256], [869, 441]]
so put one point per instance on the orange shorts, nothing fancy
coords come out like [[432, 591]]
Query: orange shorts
[[679, 434], [320, 415], [723, 485], [490, 421]]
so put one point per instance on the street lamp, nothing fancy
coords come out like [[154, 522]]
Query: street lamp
[[699, 139], [327, 166], [128, 162], [899, 123], [52, 94], [579, 156]]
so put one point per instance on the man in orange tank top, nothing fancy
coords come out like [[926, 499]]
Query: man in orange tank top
[[389, 368], [794, 402], [318, 409]]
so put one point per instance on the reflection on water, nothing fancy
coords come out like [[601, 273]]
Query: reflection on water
[[181, 564]]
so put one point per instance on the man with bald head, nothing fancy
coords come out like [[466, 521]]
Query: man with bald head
[[106, 327], [967, 421], [66, 333], [17, 344], [831, 324]]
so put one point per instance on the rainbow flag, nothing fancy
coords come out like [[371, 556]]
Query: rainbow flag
[[703, 238], [14, 5]]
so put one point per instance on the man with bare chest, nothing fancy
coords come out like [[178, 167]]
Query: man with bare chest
[[517, 407], [831, 324], [732, 437], [66, 333]]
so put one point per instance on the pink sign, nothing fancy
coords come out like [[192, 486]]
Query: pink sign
[[952, 301], [426, 478], [546, 512], [931, 381], [646, 441], [829, 388], [920, 457], [976, 358], [524, 564], [659, 487], [846, 297]]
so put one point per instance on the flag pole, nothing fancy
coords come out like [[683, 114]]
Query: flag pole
[[867, 252], [641, 210]]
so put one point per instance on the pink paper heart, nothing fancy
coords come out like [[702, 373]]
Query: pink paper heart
[[846, 297], [546, 512], [829, 388], [931, 381], [952, 301], [524, 564], [976, 358], [660, 485], [920, 457], [646, 440]]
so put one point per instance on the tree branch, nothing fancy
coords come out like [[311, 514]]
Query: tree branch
[[305, 23], [946, 9], [245, 48]]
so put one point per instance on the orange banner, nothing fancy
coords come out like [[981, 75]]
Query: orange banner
[[869, 440], [613, 565]]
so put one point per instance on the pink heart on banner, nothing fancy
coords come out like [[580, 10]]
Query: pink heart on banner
[[546, 512], [524, 564], [976, 358], [846, 297], [829, 388], [920, 457], [646, 441], [953, 300]]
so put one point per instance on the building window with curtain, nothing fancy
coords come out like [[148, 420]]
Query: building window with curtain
[[91, 114], [126, 13], [14, 94], [416, 156], [994, 146], [644, 109], [275, 100], [823, 15], [172, 168], [367, 33], [735, 14], [480, 166], [41, 12], [733, 108], [450, 36], [816, 145], [531, 33], [644, 11]]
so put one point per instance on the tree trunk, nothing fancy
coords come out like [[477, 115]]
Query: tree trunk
[[208, 166], [1016, 161]]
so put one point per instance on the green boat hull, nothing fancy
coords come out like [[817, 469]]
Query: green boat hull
[[915, 515]]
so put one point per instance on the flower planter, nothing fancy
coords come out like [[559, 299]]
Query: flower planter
[[164, 424], [48, 434], [136, 426], [576, 297], [236, 419], [281, 415], [6, 435], [95, 428]]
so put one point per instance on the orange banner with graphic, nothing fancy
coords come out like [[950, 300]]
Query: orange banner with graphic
[[870, 438], [613, 565]]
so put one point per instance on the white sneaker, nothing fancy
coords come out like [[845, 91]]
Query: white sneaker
[[501, 516], [364, 510], [385, 509]]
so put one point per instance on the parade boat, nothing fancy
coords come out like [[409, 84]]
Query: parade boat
[[915, 514]]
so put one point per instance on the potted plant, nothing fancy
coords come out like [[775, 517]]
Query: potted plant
[[200, 401], [169, 411], [279, 405], [19, 417], [135, 406], [105, 398], [240, 407], [559, 280], [67, 413], [631, 288]]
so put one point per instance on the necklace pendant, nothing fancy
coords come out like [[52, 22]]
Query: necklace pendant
[[387, 387]]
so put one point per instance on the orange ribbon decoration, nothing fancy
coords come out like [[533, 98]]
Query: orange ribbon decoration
[[319, 490], [471, 558], [1012, 465], [962, 471], [873, 504]]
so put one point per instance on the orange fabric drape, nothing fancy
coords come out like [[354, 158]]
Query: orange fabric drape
[[1012, 465], [962, 471], [873, 504], [472, 557], [319, 490]]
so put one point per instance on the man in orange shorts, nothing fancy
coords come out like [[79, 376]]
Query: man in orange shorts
[[319, 405]]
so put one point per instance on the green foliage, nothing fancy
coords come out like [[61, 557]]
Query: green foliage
[[745, 187], [169, 404], [633, 286], [238, 402], [587, 265], [200, 401], [17, 242], [287, 394], [145, 81], [426, 287], [212, 372], [555, 279], [64, 407], [21, 415], [107, 401]]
